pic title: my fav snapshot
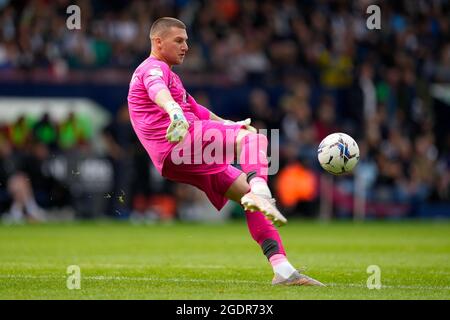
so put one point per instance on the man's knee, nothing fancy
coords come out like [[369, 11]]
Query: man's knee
[[245, 134], [257, 141]]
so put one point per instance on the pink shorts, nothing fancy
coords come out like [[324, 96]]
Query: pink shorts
[[213, 178]]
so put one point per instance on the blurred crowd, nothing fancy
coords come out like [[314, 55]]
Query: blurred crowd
[[240, 40], [27, 146], [334, 73]]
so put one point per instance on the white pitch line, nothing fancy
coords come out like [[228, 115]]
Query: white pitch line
[[120, 266], [149, 279], [353, 285], [37, 266], [120, 278]]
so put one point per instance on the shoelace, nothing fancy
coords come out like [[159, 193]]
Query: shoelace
[[272, 201]]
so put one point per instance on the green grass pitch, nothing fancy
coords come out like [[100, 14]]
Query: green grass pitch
[[196, 261]]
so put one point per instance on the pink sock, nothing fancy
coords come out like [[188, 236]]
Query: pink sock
[[265, 234], [276, 259], [253, 156]]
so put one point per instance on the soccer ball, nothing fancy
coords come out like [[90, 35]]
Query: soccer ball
[[338, 153]]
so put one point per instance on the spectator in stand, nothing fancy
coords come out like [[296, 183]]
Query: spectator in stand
[[20, 195], [46, 132], [20, 133], [325, 123], [73, 132], [262, 114], [120, 142]]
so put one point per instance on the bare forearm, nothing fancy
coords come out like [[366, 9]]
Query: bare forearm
[[164, 99]]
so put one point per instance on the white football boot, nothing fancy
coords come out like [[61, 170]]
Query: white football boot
[[296, 279], [253, 202]]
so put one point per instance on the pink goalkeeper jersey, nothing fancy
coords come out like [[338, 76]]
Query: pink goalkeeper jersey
[[150, 122]]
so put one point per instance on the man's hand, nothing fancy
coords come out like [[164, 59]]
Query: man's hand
[[178, 124], [245, 123]]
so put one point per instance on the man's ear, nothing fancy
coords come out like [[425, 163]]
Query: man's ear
[[158, 41]]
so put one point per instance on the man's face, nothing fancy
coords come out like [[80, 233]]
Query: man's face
[[173, 45]]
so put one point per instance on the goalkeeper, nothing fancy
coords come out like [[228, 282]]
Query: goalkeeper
[[166, 120]]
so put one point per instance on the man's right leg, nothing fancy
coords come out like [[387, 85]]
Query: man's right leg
[[261, 229], [267, 236], [231, 183], [252, 154]]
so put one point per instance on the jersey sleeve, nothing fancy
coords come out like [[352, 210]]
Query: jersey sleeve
[[156, 78], [200, 111]]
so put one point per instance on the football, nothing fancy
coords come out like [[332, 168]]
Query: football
[[338, 153]]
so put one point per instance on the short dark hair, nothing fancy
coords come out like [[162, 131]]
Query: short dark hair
[[163, 24]]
